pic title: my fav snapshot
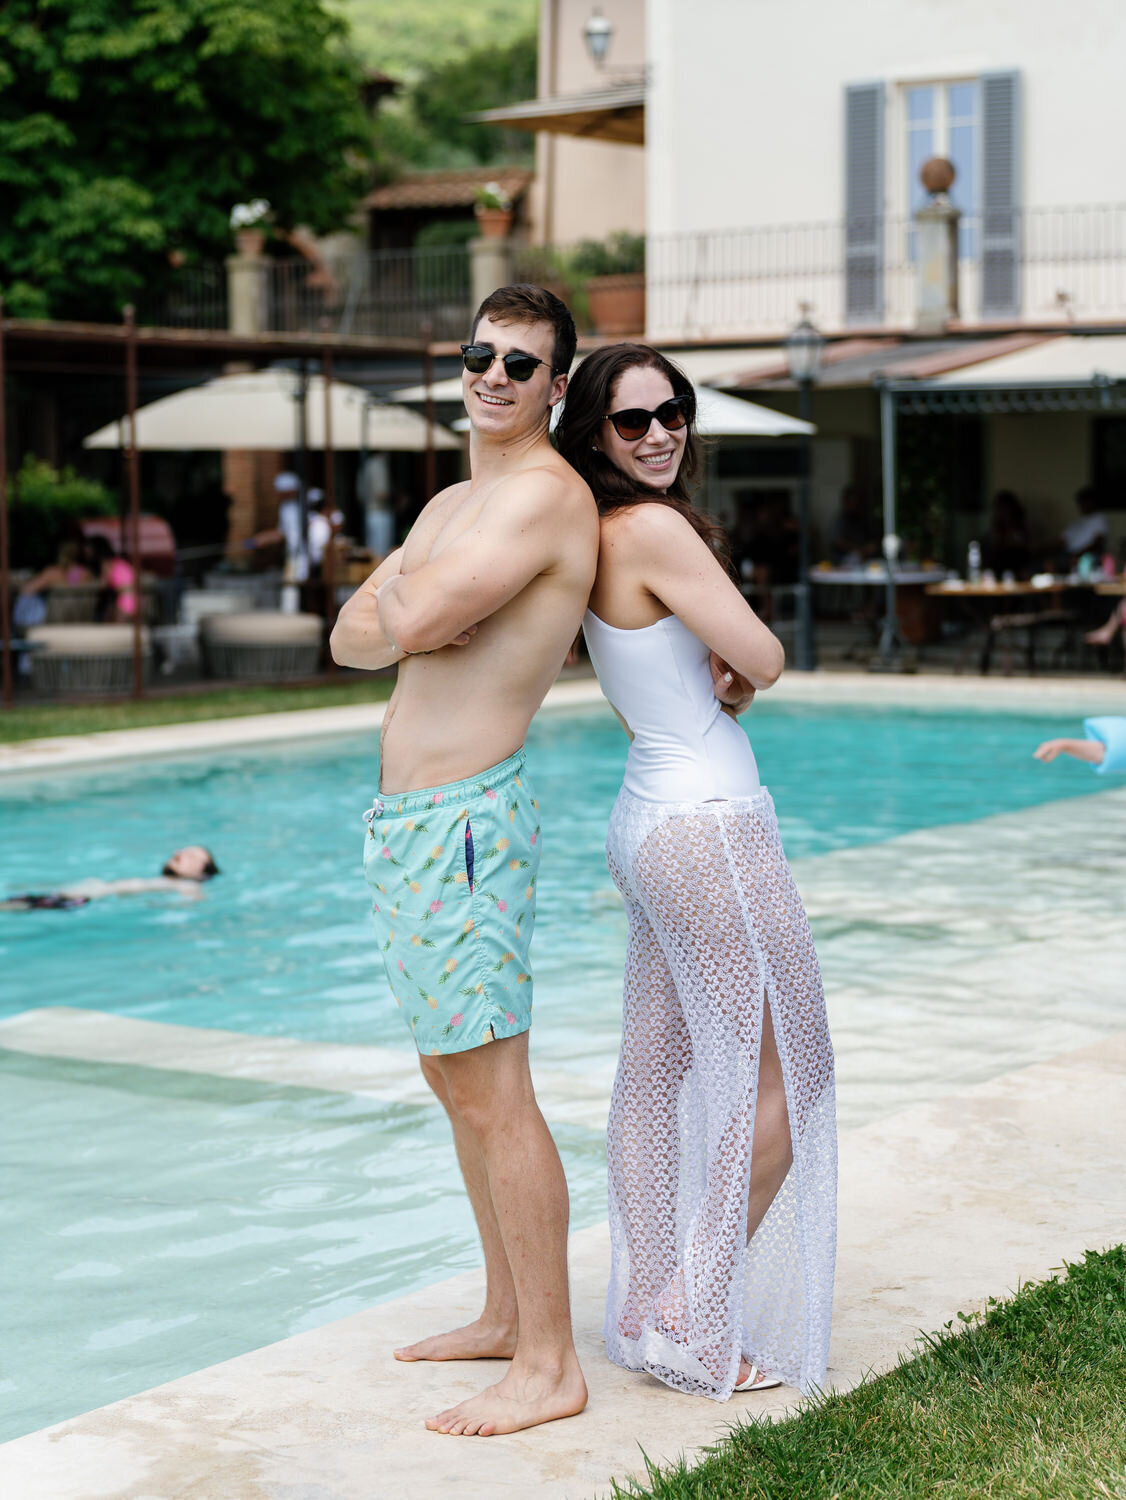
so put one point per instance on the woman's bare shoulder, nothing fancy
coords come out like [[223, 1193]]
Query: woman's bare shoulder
[[651, 527]]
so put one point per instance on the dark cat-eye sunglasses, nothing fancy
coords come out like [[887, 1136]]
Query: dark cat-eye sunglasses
[[634, 422]]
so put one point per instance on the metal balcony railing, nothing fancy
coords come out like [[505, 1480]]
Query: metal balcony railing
[[1040, 265]]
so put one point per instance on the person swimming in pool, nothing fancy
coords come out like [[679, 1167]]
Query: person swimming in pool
[[183, 875], [499, 566]]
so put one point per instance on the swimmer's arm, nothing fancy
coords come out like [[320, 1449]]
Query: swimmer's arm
[[1092, 751], [678, 567], [137, 885], [357, 638], [529, 523]]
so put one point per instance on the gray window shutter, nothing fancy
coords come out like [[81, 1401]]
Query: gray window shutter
[[864, 202], [1000, 194]]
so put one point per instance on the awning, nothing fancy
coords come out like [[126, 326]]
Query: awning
[[1073, 372], [259, 411], [611, 114], [721, 416]]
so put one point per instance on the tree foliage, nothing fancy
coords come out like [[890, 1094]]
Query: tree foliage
[[426, 127], [130, 128]]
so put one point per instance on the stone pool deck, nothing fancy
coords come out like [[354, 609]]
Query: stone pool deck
[[942, 1206]]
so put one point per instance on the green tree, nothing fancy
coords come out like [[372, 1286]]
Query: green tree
[[426, 126], [130, 128]]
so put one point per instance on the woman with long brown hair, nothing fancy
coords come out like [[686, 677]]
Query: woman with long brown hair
[[722, 1132]]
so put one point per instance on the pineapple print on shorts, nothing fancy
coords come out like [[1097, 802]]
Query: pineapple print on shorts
[[453, 872]]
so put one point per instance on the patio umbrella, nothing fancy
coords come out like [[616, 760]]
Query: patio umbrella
[[259, 411]]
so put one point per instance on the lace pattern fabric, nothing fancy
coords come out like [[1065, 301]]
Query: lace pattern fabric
[[716, 931]]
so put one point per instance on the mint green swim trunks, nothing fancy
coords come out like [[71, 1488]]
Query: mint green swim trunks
[[453, 876]]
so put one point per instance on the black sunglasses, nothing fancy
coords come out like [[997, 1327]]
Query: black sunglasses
[[635, 421], [477, 358]]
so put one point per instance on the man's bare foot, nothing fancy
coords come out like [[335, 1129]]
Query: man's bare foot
[[522, 1399], [478, 1340]]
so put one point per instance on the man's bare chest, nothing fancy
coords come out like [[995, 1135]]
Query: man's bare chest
[[440, 529]]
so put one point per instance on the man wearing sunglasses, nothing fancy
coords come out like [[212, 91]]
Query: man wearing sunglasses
[[479, 607]]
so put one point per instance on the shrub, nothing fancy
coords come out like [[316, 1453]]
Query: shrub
[[620, 254], [47, 504]]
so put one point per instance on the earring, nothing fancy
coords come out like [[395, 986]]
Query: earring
[[594, 448]]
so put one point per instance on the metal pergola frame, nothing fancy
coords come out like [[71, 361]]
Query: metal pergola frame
[[1098, 393], [116, 349]]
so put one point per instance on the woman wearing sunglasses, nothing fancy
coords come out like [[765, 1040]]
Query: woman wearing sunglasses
[[722, 1131]]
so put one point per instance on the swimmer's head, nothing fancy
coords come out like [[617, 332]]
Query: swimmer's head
[[193, 863]]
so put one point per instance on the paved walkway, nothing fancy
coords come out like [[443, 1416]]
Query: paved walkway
[[942, 1206]]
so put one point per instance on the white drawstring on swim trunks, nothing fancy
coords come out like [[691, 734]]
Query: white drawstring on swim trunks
[[372, 813]]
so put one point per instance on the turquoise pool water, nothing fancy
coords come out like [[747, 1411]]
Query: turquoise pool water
[[159, 1221]]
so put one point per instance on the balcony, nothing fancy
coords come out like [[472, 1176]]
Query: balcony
[[1044, 267]]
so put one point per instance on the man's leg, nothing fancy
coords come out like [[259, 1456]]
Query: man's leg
[[493, 1334], [490, 1090]]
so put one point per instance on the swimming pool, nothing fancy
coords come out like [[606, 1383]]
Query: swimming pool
[[164, 1220]]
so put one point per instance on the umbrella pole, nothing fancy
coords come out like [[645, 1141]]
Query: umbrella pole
[[134, 485], [888, 658], [329, 564], [5, 580]]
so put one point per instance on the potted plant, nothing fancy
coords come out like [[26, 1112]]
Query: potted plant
[[614, 273], [250, 222], [493, 208]]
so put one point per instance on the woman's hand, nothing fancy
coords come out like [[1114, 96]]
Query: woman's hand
[[732, 690]]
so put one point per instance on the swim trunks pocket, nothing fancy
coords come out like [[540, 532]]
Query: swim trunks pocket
[[469, 854]]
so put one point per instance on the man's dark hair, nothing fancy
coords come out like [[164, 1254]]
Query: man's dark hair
[[525, 303], [1087, 499]]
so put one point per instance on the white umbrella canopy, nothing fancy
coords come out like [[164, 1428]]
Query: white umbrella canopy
[[717, 415], [259, 411], [720, 416]]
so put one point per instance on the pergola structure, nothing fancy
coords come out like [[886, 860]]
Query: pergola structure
[[1071, 373], [117, 351]]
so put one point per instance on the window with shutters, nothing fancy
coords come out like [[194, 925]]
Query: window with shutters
[[944, 119]]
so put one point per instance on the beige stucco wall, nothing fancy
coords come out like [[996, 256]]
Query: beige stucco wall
[[587, 189], [746, 98]]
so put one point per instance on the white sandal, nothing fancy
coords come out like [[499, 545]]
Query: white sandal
[[753, 1383]]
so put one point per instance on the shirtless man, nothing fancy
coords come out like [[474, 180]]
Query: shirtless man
[[480, 606]]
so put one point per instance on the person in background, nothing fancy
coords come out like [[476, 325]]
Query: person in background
[[1004, 548], [183, 874], [1104, 748], [854, 537], [1089, 532], [117, 602], [69, 570], [321, 527]]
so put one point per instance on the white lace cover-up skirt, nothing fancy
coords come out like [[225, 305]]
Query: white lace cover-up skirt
[[715, 927]]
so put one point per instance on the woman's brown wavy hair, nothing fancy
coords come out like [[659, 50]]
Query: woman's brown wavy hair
[[590, 395]]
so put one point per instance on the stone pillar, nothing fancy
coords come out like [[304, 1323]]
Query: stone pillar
[[247, 292], [490, 266], [248, 475], [936, 251]]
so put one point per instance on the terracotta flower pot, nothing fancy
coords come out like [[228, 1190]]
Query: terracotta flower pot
[[494, 223], [250, 242], [617, 303]]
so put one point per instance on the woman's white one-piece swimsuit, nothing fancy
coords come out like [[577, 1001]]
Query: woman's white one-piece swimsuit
[[716, 928]]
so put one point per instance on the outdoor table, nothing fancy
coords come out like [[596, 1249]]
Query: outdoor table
[[1048, 609], [915, 625]]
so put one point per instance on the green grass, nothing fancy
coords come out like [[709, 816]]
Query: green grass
[[1026, 1402], [39, 721]]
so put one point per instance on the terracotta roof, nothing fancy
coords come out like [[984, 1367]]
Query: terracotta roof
[[447, 189]]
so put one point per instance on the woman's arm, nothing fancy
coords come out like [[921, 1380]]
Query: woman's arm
[[678, 567]]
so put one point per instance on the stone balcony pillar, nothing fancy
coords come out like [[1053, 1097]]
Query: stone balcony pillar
[[490, 266], [936, 251]]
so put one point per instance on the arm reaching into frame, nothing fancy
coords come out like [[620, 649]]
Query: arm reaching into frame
[[520, 533]]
